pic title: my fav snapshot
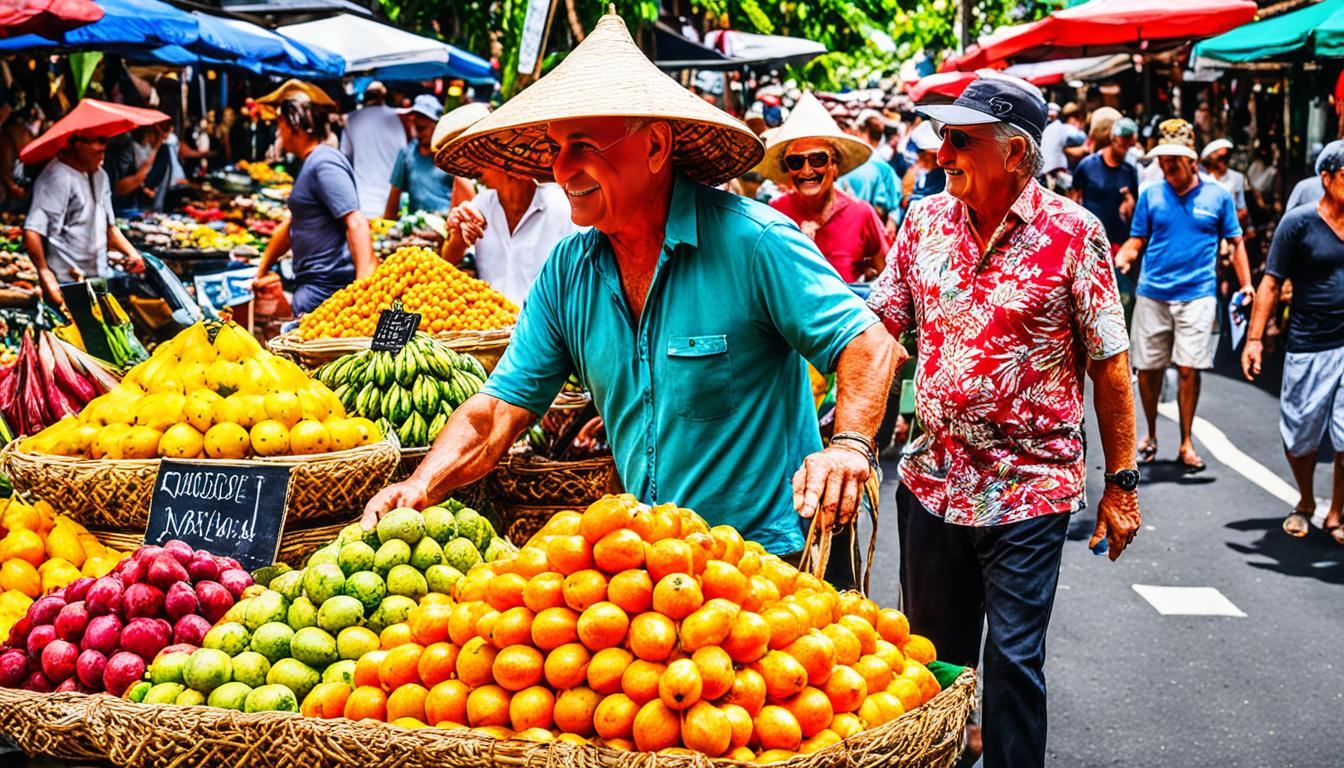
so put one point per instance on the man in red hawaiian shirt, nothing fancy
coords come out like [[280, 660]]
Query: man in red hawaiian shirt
[[1011, 292]]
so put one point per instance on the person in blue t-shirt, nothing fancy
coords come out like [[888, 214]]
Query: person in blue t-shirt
[[414, 172], [1178, 224]]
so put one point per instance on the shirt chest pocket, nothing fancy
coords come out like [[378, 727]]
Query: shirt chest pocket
[[700, 377]]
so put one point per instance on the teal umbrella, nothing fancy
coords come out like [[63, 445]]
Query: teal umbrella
[[1316, 30]]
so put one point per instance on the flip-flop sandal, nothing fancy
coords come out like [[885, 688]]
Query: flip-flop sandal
[[1146, 453], [1336, 532], [1194, 467], [1297, 524]]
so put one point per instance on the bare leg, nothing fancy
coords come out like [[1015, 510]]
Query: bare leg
[[1304, 471], [1150, 389], [1187, 398], [1333, 517]]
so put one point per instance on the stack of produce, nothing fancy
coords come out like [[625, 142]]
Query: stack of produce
[[99, 634], [421, 229], [42, 551], [265, 173], [16, 269], [275, 648], [183, 233], [48, 382], [414, 391], [222, 398], [446, 298], [646, 629]]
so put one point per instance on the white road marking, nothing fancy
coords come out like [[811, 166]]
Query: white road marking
[[1228, 454], [1188, 601]]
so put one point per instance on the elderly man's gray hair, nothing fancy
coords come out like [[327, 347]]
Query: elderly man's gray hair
[[1033, 162], [1331, 158]]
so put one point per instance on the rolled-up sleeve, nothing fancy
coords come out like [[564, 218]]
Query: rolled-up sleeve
[[1097, 313]]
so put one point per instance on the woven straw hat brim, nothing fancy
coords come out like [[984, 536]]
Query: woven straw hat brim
[[810, 120], [606, 75], [454, 123], [291, 87]]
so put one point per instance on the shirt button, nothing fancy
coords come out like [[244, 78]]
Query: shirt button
[[649, 450]]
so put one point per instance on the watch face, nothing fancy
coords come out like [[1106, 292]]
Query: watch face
[[1126, 479]]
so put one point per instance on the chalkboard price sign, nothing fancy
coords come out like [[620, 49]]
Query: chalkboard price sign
[[231, 510], [395, 329]]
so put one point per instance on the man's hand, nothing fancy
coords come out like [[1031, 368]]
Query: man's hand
[[51, 287], [468, 221], [1251, 358], [407, 493], [1118, 520], [830, 481]]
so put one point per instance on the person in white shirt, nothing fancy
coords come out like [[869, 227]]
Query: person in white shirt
[[1056, 155], [373, 136], [1216, 169]]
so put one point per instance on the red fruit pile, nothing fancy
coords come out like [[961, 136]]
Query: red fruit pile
[[98, 634]]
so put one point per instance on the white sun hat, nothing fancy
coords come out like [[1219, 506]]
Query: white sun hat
[[810, 120]]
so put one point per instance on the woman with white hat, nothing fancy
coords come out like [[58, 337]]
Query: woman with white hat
[[1214, 159], [686, 311]]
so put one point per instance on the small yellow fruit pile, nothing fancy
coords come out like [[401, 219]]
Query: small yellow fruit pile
[[42, 551], [222, 399], [446, 298]]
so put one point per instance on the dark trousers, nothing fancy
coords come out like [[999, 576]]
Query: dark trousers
[[958, 576]]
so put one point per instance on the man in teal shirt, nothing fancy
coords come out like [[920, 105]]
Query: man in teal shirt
[[686, 311]]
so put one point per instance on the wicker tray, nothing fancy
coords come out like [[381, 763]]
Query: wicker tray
[[79, 727], [114, 494], [486, 346]]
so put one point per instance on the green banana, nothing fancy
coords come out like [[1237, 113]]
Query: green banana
[[436, 426], [475, 367], [369, 401]]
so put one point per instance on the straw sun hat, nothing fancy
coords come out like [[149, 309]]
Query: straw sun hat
[[454, 123], [810, 120], [606, 75]]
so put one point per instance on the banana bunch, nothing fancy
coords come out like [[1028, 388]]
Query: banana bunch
[[412, 392]]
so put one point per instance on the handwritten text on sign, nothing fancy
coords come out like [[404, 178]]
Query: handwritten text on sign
[[235, 510], [394, 330]]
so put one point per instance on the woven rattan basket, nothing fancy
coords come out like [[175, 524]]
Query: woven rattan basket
[[114, 494], [79, 727], [524, 491], [486, 346]]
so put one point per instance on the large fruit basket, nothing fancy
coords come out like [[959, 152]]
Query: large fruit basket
[[525, 490], [80, 727], [114, 495], [486, 346]]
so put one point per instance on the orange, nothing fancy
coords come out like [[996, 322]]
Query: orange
[[532, 707], [394, 635], [488, 705], [875, 672], [656, 727], [812, 709], [920, 648], [889, 653], [821, 607], [748, 691], [584, 589], [366, 669], [868, 610], [614, 717], [731, 547], [567, 666], [620, 550], [564, 523], [568, 554], [554, 627], [784, 676], [447, 701], [740, 725], [632, 590], [928, 684], [761, 593], [750, 562], [400, 667], [534, 734], [705, 627], [863, 631], [26, 545], [845, 688], [702, 551], [677, 595], [513, 626], [326, 700], [784, 626], [531, 562], [721, 579], [907, 691], [475, 586], [680, 685], [725, 606], [845, 725], [606, 515], [847, 649], [666, 557], [437, 663], [606, 668], [706, 729], [816, 653], [575, 708], [658, 523], [486, 623], [407, 701], [818, 742], [462, 623], [505, 591], [366, 701], [748, 639], [652, 636], [777, 728], [850, 603], [691, 523], [20, 575], [429, 623], [889, 704], [603, 625], [545, 590], [475, 662], [781, 573], [640, 680], [518, 667], [893, 626]]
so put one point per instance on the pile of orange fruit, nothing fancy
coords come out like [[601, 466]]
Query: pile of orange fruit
[[642, 628], [447, 299]]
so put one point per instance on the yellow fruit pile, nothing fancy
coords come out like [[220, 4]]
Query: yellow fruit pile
[[642, 628], [222, 399], [42, 551], [446, 298]]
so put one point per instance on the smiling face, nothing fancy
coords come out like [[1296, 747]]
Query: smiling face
[[1177, 170], [607, 170], [979, 170], [810, 181]]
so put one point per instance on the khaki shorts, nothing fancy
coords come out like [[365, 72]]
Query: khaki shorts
[[1166, 332]]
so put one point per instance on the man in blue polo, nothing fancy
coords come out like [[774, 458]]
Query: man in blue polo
[[688, 312]]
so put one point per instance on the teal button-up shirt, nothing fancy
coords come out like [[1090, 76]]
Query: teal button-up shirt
[[706, 395]]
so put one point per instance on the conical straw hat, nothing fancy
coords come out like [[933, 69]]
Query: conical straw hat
[[810, 120], [457, 121], [606, 75]]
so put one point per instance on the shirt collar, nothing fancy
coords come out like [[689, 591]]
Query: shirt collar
[[1029, 202], [683, 225]]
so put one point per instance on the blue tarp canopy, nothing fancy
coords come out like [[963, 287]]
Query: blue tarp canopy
[[227, 38]]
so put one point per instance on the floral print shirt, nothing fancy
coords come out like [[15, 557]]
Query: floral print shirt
[[1003, 344]]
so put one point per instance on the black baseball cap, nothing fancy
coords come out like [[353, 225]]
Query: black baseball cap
[[992, 100]]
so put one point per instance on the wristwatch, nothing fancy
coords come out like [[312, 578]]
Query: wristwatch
[[1126, 479]]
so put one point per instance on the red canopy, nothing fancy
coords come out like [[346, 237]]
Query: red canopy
[[47, 18], [89, 118], [949, 84], [1108, 26]]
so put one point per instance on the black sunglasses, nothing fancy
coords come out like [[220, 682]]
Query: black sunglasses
[[99, 140], [818, 159], [958, 139]]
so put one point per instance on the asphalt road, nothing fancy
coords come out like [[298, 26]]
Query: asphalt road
[[1129, 686]]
